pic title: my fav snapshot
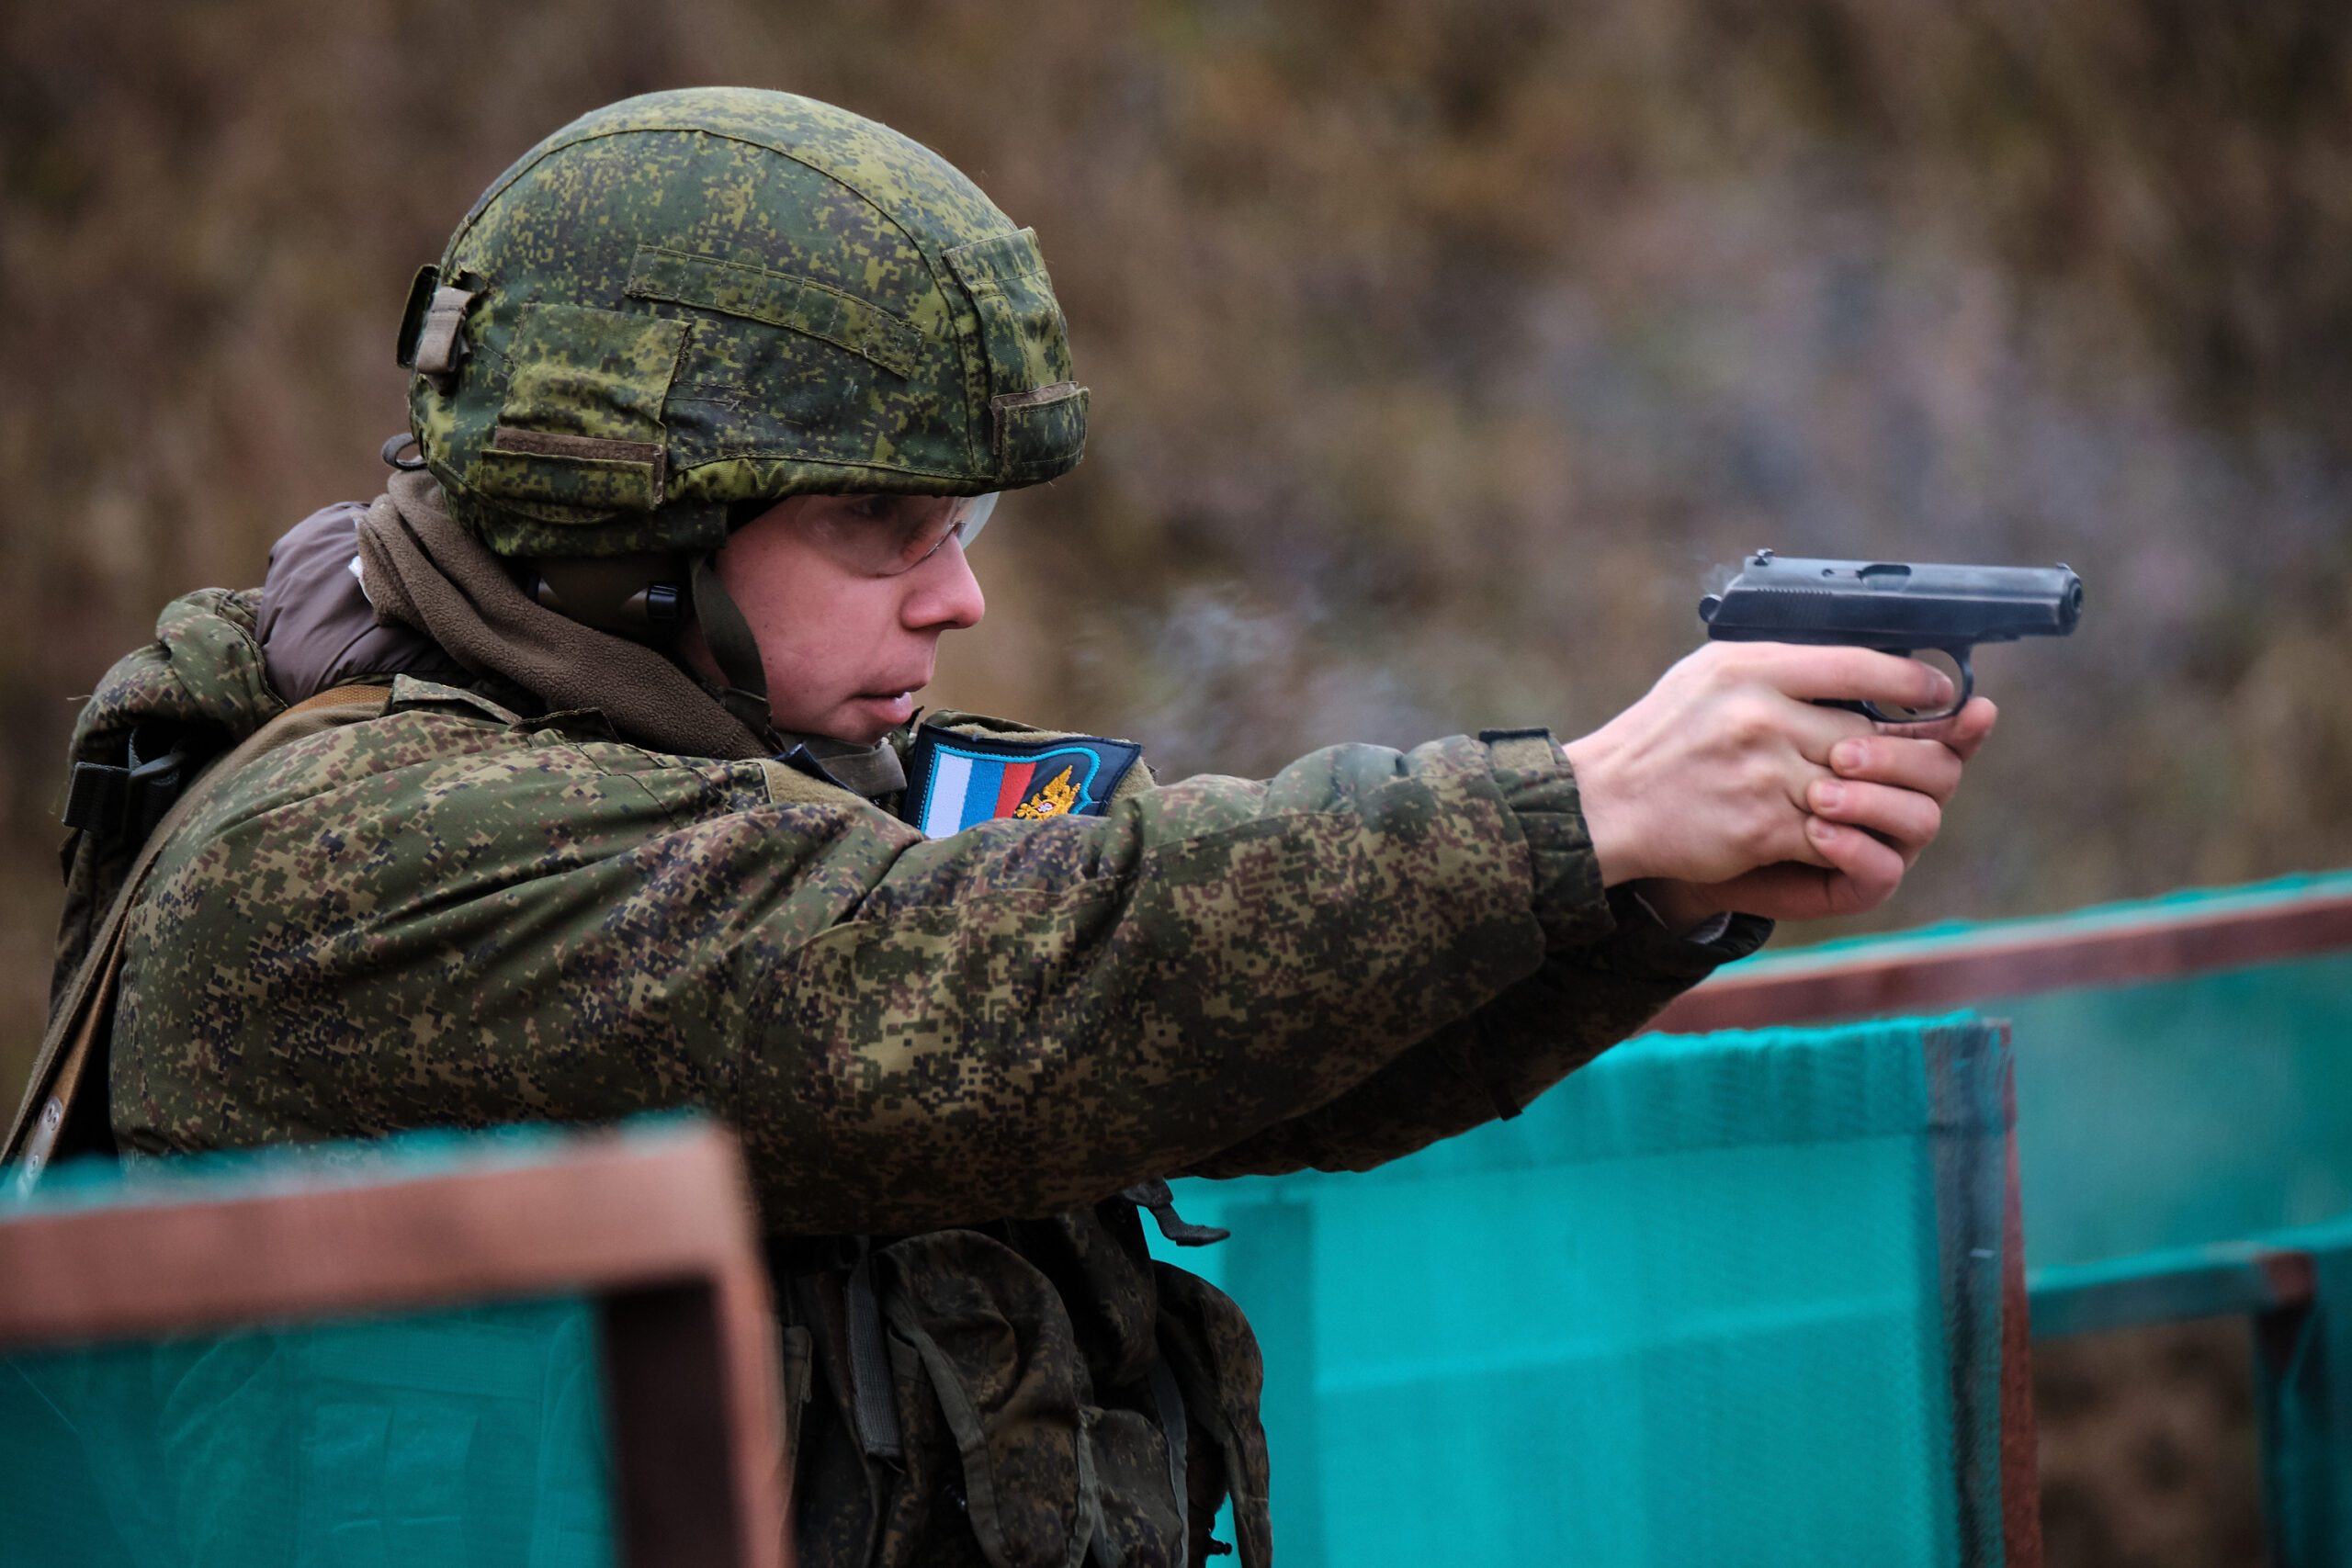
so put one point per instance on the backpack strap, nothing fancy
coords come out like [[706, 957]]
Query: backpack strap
[[76, 1041]]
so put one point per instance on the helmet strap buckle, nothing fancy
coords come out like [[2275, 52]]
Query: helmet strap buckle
[[429, 341], [640, 596]]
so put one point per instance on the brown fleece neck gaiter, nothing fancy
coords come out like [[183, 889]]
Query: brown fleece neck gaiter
[[424, 570]]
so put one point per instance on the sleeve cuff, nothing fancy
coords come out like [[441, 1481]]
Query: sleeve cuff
[[1644, 946], [1705, 932], [1541, 790], [1615, 929]]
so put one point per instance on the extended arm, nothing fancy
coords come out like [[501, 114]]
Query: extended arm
[[1587, 994], [476, 925], [1721, 791]]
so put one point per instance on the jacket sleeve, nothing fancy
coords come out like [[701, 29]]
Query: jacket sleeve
[[480, 924], [1490, 1063], [1587, 996]]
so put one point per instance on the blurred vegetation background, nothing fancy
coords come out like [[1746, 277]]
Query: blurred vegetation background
[[1441, 357]]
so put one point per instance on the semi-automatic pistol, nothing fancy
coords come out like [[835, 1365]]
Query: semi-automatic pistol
[[1895, 608]]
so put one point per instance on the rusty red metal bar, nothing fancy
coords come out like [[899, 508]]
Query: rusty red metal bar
[[2021, 1462], [1867, 981]]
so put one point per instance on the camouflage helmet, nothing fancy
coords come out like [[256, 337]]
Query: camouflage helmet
[[690, 301]]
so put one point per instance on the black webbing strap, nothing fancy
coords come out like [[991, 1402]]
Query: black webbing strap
[[737, 652], [125, 803], [871, 1401], [1154, 1197]]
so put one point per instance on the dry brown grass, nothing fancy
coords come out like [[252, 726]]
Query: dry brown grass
[[2148, 1446]]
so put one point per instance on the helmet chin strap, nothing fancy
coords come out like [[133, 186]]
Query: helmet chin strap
[[870, 770], [636, 596], [732, 646]]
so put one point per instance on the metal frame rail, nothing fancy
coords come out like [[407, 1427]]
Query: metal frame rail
[[2011, 960]]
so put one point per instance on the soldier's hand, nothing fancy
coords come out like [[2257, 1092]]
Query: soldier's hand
[[1726, 788]]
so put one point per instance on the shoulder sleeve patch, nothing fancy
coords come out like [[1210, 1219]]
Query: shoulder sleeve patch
[[954, 781]]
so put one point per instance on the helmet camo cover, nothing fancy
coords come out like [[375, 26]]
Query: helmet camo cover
[[698, 297]]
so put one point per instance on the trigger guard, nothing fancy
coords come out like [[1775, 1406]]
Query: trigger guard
[[1959, 656]]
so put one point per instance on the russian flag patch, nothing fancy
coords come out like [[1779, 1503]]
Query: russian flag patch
[[954, 781]]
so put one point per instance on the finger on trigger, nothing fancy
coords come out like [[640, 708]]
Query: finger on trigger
[[1854, 674], [1972, 726], [1964, 731]]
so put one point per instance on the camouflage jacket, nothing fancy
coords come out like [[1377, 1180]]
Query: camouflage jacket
[[963, 1048]]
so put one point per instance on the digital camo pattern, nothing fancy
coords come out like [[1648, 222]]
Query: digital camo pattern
[[963, 1047], [1022, 1357], [204, 667], [447, 916], [203, 671], [722, 294]]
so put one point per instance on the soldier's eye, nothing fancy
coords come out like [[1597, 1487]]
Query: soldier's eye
[[926, 531], [882, 536]]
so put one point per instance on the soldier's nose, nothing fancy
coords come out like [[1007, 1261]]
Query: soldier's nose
[[943, 594]]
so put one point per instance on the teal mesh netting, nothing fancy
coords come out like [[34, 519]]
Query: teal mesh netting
[[1729, 1299], [463, 1438], [2168, 1114], [1732, 1299], [466, 1436], [2180, 1113]]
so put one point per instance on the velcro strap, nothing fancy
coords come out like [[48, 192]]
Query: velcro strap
[[437, 346], [593, 471], [582, 448], [1522, 750]]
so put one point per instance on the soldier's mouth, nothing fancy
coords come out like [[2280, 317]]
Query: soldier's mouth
[[890, 707]]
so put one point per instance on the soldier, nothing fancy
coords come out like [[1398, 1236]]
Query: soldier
[[713, 390]]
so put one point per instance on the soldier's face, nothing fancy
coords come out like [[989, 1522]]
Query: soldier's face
[[848, 596]]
